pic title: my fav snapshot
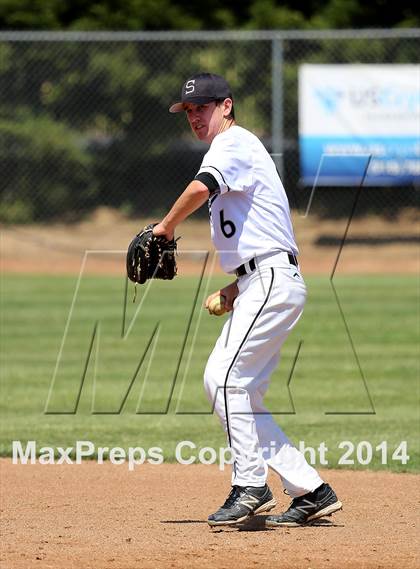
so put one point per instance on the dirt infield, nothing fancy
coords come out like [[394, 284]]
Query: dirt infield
[[94, 516], [373, 244]]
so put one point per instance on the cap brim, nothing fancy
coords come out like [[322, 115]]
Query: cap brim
[[176, 108]]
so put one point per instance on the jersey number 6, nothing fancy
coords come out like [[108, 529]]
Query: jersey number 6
[[228, 227]]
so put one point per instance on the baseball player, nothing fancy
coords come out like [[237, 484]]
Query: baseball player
[[252, 231]]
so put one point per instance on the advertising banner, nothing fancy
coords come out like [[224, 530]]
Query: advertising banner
[[353, 117]]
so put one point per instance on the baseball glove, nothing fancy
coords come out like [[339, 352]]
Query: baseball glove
[[151, 257]]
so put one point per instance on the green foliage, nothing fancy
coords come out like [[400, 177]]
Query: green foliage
[[208, 14], [266, 15], [96, 91], [339, 14], [109, 100], [116, 99], [30, 14], [134, 15], [44, 167]]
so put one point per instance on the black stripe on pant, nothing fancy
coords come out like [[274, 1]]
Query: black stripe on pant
[[236, 356]]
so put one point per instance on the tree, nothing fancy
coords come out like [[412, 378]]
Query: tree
[[206, 15]]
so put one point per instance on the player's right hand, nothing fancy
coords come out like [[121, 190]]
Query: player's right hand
[[229, 292]]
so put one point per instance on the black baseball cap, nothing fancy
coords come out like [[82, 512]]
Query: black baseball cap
[[200, 89]]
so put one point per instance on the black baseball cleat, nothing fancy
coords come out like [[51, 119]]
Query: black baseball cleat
[[304, 509], [242, 502]]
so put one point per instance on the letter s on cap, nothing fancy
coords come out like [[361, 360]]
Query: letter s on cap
[[189, 86]]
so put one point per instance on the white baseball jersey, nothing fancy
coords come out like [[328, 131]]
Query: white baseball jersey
[[249, 213]]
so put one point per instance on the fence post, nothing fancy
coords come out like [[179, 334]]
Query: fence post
[[277, 103]]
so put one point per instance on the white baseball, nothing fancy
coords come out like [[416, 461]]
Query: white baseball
[[217, 306]]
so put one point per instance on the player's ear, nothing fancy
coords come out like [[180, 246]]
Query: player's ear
[[227, 107]]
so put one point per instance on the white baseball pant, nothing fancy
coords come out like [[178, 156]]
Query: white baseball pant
[[237, 375]]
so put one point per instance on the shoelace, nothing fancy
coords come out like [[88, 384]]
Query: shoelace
[[294, 503], [233, 496], [297, 502]]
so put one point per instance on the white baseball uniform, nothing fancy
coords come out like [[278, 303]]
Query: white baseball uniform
[[251, 227]]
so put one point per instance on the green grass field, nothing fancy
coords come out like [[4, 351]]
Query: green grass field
[[103, 399]]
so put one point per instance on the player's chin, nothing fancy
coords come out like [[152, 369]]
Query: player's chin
[[201, 133]]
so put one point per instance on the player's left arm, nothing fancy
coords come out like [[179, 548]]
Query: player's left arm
[[193, 197]]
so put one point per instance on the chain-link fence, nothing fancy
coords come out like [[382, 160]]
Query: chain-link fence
[[84, 116]]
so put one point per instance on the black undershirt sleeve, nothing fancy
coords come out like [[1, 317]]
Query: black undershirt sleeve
[[208, 180]]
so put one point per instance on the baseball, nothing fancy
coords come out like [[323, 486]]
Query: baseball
[[217, 306]]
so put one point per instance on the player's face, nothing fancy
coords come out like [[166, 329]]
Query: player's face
[[205, 120]]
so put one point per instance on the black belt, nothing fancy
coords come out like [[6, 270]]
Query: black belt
[[242, 270]]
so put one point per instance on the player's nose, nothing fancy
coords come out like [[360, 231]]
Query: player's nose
[[194, 121]]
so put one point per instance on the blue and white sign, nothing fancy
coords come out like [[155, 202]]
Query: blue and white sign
[[353, 117]]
